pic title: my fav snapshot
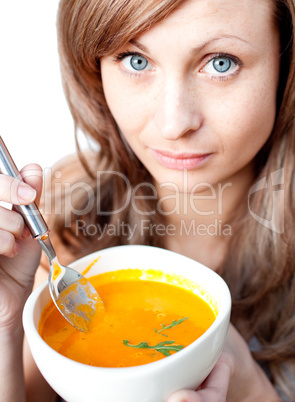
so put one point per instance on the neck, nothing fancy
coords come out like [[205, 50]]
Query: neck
[[200, 222]]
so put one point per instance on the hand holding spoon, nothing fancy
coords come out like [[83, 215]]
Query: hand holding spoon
[[73, 295]]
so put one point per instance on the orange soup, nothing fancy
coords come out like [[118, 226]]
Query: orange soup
[[144, 321]]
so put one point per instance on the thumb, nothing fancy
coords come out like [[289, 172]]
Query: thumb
[[32, 174]]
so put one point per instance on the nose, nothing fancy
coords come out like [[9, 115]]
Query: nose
[[177, 109]]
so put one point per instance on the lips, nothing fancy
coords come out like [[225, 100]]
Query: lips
[[180, 161]]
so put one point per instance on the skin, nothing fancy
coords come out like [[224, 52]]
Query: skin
[[178, 106], [19, 259]]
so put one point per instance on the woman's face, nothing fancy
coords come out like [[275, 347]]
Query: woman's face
[[195, 96]]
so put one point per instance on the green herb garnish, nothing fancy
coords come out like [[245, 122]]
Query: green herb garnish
[[173, 324], [163, 347]]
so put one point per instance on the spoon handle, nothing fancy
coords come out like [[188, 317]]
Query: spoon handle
[[31, 214]]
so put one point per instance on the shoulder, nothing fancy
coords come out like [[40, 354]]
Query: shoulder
[[71, 168], [62, 176], [63, 184]]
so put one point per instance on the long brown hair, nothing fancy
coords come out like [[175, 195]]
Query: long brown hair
[[88, 30], [259, 268]]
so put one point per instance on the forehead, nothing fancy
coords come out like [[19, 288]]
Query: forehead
[[225, 9], [252, 19]]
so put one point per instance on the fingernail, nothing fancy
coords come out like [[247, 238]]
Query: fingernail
[[177, 397], [26, 193]]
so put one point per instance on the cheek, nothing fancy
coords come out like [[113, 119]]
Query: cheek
[[128, 106], [130, 116], [246, 121]]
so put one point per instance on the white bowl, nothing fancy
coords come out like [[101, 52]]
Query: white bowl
[[153, 382]]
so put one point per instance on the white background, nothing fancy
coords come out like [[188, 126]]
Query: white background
[[35, 121]]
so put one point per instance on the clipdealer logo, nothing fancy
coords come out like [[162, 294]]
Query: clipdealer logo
[[274, 223]]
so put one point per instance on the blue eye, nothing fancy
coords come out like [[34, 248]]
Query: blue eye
[[136, 63], [139, 63], [222, 65]]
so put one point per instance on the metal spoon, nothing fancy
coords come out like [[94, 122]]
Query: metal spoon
[[73, 295]]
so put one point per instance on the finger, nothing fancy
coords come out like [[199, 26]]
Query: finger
[[184, 396], [217, 382], [15, 191], [11, 221], [25, 234], [214, 388], [32, 174], [8, 245]]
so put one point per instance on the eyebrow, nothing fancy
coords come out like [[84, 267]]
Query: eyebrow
[[196, 49], [139, 46], [201, 47]]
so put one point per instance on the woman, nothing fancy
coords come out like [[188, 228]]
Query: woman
[[192, 106]]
